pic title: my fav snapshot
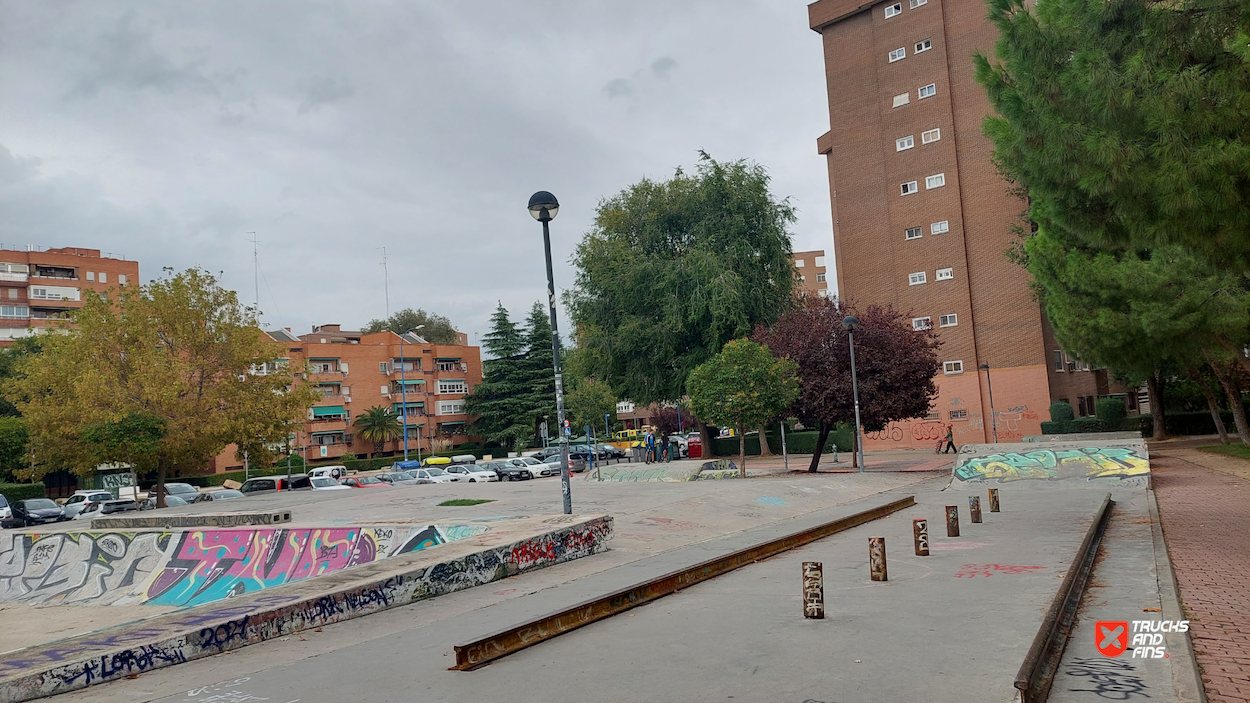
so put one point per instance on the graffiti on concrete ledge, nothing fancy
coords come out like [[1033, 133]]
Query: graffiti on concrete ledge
[[1055, 465]]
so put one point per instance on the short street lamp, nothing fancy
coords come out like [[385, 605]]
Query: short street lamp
[[849, 323], [403, 391], [544, 206], [990, 386]]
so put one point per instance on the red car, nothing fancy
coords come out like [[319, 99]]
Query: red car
[[364, 482]]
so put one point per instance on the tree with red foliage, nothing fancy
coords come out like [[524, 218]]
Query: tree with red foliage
[[895, 365]]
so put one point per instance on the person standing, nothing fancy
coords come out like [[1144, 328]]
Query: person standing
[[663, 447], [650, 445], [950, 440]]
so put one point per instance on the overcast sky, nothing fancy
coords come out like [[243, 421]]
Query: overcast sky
[[167, 131]]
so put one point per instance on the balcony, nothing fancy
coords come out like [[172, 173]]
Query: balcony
[[6, 276], [58, 272]]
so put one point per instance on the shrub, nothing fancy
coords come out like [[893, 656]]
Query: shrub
[[1111, 411], [19, 491], [1061, 412]]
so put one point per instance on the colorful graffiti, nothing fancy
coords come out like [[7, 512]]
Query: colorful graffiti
[[192, 567], [1058, 464]]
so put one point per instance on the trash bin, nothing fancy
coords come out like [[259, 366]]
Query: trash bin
[[694, 447], [637, 454]]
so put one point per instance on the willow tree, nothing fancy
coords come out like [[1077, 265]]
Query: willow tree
[[180, 353], [672, 270]]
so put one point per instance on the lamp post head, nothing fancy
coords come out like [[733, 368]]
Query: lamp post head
[[849, 323], [985, 366], [544, 206]]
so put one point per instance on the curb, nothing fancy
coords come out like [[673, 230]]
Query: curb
[[1187, 681], [194, 633]]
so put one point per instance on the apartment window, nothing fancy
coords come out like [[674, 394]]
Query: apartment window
[[915, 279], [382, 367], [935, 181], [121, 279], [452, 386], [928, 91], [933, 416], [917, 3], [921, 323], [800, 263], [930, 135], [904, 143], [91, 276], [104, 277], [939, 227], [820, 261], [898, 54], [14, 312], [959, 414], [12, 294], [923, 46], [450, 365], [902, 99], [912, 233], [908, 188], [820, 278], [450, 407], [948, 320], [950, 367], [1059, 361], [945, 274], [895, 9]]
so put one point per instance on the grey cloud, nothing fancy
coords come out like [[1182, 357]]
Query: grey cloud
[[618, 88], [127, 57], [663, 66], [324, 91]]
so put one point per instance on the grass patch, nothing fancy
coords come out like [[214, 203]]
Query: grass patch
[[1238, 450], [464, 501]]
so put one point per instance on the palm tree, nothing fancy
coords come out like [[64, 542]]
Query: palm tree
[[378, 425]]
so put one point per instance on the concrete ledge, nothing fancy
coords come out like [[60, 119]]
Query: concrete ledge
[[203, 631], [131, 522]]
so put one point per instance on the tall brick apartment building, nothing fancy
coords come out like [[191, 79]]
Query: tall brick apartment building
[[40, 286], [810, 265], [356, 371], [922, 219]]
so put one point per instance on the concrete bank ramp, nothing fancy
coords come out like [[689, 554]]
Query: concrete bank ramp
[[195, 566], [1101, 461]]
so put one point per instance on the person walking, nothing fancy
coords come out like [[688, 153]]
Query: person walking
[[650, 445], [663, 447], [950, 440]]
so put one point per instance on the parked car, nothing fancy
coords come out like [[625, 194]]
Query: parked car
[[184, 491], [223, 494], [364, 482], [34, 511], [439, 461], [435, 475], [75, 503], [335, 472], [463, 459], [298, 482], [519, 468], [325, 483], [94, 509], [473, 473], [5, 511], [398, 478], [170, 502]]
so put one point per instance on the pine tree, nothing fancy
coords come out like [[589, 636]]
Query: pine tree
[[540, 378], [500, 400]]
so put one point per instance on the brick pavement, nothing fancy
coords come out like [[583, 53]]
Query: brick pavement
[[1206, 522]]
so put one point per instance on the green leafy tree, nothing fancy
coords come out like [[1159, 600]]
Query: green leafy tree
[[743, 386], [181, 351], [378, 425], [14, 458], [589, 402], [438, 329], [133, 439], [1126, 122], [672, 270]]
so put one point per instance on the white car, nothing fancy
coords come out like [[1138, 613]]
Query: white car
[[435, 475], [335, 472], [76, 502], [325, 483], [473, 473]]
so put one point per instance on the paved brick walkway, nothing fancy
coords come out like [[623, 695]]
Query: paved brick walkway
[[1206, 521]]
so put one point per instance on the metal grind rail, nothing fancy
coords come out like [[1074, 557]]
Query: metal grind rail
[[1038, 671], [500, 644]]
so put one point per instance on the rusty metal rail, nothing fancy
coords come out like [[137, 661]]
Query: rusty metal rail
[[500, 644], [1038, 671]]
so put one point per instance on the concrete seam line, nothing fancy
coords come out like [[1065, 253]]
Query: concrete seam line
[[1189, 687], [208, 630], [486, 649], [1038, 670]]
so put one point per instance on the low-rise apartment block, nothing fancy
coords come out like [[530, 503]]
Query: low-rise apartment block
[[39, 287]]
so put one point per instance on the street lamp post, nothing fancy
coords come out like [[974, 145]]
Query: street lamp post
[[403, 391], [544, 206], [849, 323], [990, 385]]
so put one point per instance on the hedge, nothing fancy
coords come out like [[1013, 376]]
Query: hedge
[[1178, 424], [796, 443], [18, 491]]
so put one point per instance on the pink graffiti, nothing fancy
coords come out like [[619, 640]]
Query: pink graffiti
[[974, 570]]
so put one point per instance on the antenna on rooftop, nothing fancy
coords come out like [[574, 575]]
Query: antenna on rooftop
[[255, 270], [386, 284]]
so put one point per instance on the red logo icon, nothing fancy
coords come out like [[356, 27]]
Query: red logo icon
[[1111, 637]]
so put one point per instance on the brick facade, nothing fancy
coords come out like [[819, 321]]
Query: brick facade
[[810, 265], [935, 250], [39, 287]]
